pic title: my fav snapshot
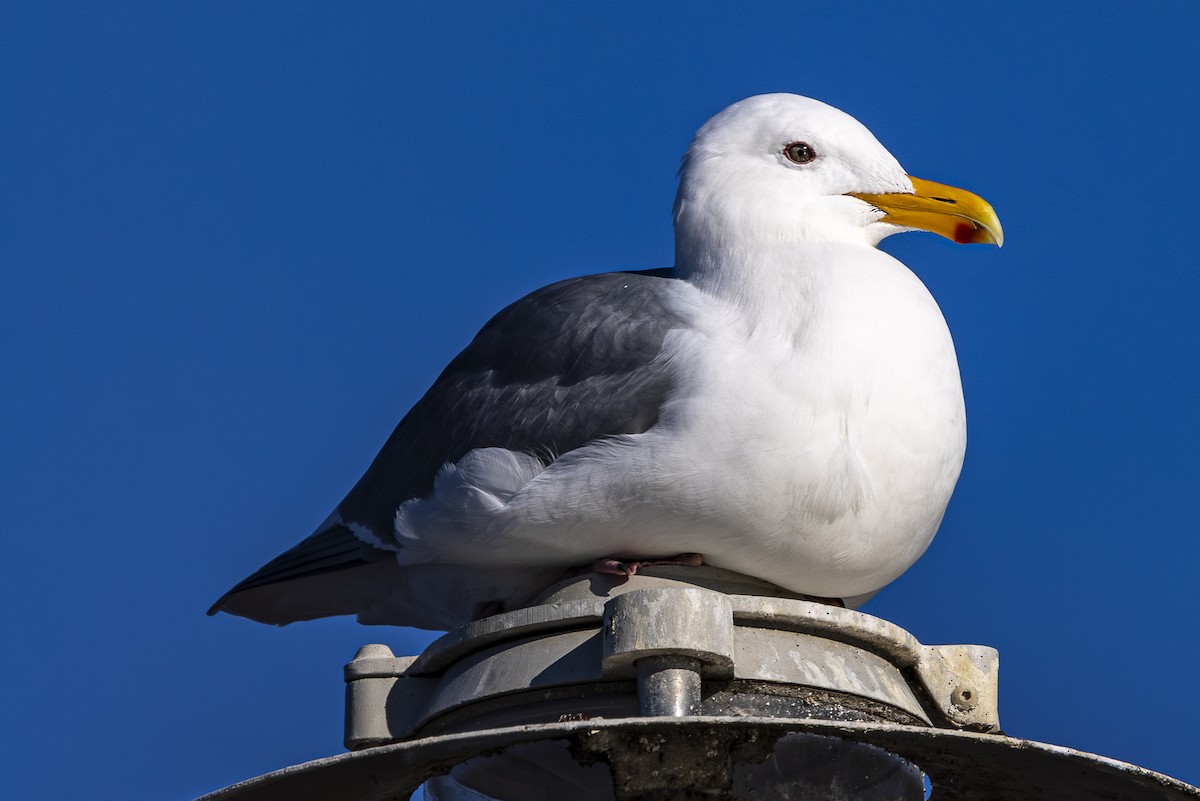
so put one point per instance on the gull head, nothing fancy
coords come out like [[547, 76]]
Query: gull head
[[781, 168]]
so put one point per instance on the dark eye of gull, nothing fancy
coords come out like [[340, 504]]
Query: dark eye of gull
[[800, 152]]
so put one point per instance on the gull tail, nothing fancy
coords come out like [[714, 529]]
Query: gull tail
[[321, 576]]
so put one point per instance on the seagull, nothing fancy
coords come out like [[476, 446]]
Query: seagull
[[784, 403]]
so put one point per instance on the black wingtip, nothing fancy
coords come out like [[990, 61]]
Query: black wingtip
[[331, 549]]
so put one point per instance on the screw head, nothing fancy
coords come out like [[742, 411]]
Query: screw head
[[964, 698]]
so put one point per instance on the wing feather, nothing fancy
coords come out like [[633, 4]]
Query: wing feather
[[570, 363]]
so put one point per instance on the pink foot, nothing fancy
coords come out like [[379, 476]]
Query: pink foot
[[620, 567]]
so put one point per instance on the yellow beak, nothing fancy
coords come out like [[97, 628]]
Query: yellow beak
[[953, 213]]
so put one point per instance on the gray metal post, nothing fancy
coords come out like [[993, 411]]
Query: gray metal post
[[668, 686]]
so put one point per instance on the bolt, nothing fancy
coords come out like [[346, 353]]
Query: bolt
[[964, 698]]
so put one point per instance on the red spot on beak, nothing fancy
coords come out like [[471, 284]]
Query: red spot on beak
[[964, 233]]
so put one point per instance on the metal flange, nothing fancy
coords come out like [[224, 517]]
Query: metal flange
[[659, 644]]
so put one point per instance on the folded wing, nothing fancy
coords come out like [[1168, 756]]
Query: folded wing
[[576, 361]]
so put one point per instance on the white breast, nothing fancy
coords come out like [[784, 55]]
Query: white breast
[[814, 439], [833, 421]]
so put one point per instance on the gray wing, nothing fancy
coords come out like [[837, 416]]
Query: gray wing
[[565, 365]]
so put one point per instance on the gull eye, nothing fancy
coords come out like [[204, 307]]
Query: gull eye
[[799, 152]]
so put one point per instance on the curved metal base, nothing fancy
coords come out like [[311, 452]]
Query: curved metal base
[[962, 766]]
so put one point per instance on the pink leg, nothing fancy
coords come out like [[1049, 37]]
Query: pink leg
[[620, 567]]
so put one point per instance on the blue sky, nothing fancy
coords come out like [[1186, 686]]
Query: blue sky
[[238, 240]]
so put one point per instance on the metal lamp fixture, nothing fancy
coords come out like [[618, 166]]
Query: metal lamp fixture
[[688, 683]]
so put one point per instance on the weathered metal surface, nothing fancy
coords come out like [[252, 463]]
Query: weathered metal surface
[[689, 684], [962, 766], [789, 657], [679, 621], [669, 685], [589, 635], [938, 670]]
